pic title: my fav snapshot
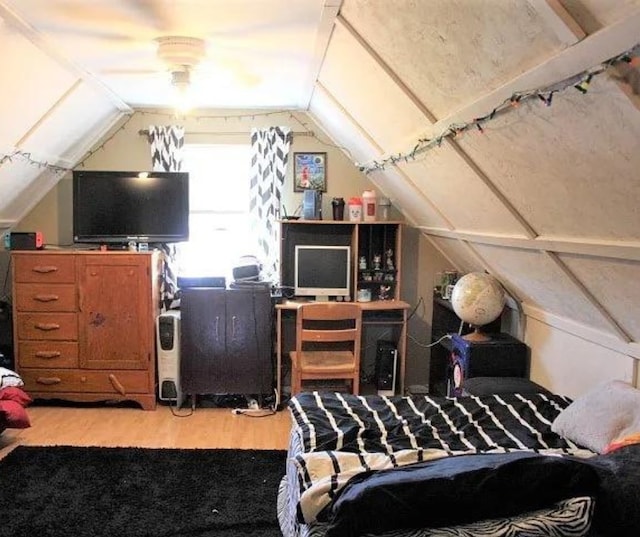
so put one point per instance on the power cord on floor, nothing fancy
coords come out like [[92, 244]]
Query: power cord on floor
[[175, 413]]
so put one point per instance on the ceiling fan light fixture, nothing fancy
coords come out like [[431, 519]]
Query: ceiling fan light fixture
[[177, 51], [181, 82], [181, 78]]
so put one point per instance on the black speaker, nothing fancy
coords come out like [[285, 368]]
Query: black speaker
[[386, 363]]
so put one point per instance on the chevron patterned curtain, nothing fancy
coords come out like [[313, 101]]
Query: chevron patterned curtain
[[167, 142], [270, 149]]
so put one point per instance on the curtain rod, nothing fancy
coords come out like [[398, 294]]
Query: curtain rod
[[145, 132]]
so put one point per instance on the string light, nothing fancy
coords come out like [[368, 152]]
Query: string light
[[580, 81], [26, 156]]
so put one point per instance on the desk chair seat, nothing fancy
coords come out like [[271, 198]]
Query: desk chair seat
[[328, 338]]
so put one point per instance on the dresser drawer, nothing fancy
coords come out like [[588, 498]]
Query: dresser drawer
[[38, 268], [83, 381], [55, 354], [45, 297], [47, 326]]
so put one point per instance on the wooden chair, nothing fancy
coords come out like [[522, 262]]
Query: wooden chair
[[327, 344]]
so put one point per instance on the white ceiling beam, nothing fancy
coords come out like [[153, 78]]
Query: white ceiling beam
[[37, 124], [351, 119], [599, 337], [582, 288], [385, 67], [624, 250], [330, 11], [586, 54], [484, 178], [420, 193], [559, 20], [22, 26]]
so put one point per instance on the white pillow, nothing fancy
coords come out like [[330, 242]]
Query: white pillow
[[593, 420], [9, 378]]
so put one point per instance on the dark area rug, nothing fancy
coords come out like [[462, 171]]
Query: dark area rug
[[130, 492]]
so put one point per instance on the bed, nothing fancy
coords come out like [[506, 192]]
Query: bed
[[423, 466]]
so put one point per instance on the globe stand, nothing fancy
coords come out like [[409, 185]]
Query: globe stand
[[476, 335]]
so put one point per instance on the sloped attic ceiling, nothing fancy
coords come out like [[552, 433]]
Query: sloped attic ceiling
[[544, 195]]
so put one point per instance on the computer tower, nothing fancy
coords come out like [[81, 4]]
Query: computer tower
[[500, 356], [168, 348], [386, 365]]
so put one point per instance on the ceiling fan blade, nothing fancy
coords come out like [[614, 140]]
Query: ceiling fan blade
[[129, 72]]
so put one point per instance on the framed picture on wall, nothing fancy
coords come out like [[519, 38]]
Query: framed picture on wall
[[309, 172]]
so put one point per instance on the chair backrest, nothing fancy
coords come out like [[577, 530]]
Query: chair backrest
[[329, 322]]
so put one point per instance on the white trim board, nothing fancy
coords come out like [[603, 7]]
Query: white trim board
[[587, 333], [628, 250]]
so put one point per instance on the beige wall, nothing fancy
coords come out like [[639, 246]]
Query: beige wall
[[128, 150], [125, 148]]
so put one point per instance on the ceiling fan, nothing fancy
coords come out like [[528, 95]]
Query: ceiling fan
[[185, 57], [181, 55]]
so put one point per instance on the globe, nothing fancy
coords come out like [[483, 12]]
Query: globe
[[477, 298]]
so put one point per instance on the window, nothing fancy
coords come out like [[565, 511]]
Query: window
[[218, 209]]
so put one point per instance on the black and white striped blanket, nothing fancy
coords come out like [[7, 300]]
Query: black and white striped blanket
[[343, 435]]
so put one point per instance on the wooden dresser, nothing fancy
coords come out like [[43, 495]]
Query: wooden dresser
[[84, 324]]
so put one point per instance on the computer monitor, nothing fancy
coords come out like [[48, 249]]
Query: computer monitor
[[322, 271]]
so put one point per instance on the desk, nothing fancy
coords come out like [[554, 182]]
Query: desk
[[379, 312]]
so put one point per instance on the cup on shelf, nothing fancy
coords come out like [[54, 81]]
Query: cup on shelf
[[337, 204], [355, 209], [384, 205], [369, 205]]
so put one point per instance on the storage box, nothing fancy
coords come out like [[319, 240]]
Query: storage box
[[500, 356]]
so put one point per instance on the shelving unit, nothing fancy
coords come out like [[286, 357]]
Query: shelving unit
[[384, 318], [368, 241], [378, 259]]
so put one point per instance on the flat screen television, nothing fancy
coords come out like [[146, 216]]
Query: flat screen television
[[322, 271], [129, 206]]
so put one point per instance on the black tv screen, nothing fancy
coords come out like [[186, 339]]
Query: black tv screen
[[121, 206]]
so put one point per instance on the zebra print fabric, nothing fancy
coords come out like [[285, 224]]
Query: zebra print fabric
[[336, 436], [358, 424], [268, 171], [568, 518], [167, 148]]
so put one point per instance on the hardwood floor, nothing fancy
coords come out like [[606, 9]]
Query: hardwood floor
[[132, 427]]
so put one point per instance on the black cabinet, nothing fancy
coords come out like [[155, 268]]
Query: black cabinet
[[226, 341], [445, 321], [501, 355]]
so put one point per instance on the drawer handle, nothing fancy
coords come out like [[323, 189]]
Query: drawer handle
[[47, 327], [46, 298], [48, 381], [116, 384], [48, 354], [44, 269]]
